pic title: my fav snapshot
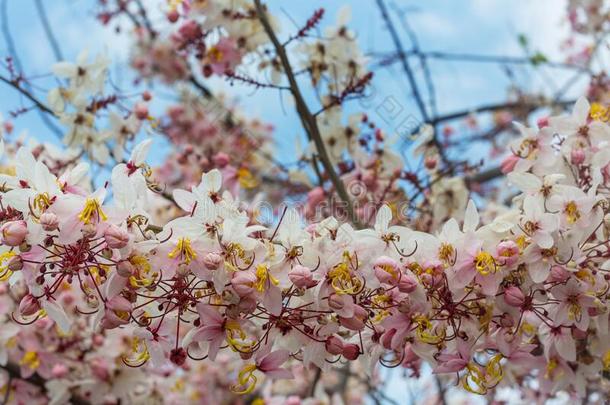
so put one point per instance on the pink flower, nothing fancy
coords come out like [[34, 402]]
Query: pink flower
[[13, 233], [452, 361], [270, 363]]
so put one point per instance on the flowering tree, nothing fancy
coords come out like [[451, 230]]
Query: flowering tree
[[226, 275]]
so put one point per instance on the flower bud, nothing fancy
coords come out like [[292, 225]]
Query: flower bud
[[28, 305], [59, 370], [577, 156], [221, 159], [508, 251], [118, 310], [357, 321], [99, 368], [172, 16], [335, 301], [125, 269], [13, 232], [116, 237], [543, 122], [178, 356], [89, 230], [247, 305], [407, 283], [386, 269], [509, 163], [558, 274], [141, 111], [212, 260], [301, 277], [351, 351], [243, 283], [514, 296], [431, 162], [49, 221], [334, 345], [15, 263]]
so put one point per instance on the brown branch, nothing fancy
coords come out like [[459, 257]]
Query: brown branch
[[15, 84], [307, 118]]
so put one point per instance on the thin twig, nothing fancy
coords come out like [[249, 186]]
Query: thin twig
[[42, 14], [307, 119]]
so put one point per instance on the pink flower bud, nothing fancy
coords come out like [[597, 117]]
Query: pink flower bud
[[301, 277], [243, 283], [28, 305], [558, 274], [49, 221], [407, 283], [509, 163], [117, 312], [315, 196], [386, 338], [59, 370], [141, 111], [386, 269], [15, 263], [543, 122], [334, 345], [178, 356], [335, 301], [212, 260], [430, 162], [99, 367], [514, 296], [190, 30], [125, 269], [116, 237], [357, 321], [13, 232], [293, 400], [508, 252], [221, 159], [172, 16], [89, 230], [351, 351], [577, 156]]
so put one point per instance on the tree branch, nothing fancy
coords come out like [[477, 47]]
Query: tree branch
[[307, 119]]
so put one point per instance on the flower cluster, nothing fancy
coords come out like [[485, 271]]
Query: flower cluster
[[521, 297]]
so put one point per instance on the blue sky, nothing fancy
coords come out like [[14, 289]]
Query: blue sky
[[466, 26], [487, 27]]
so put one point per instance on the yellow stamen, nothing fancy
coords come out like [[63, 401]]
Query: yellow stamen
[[93, 209], [42, 202], [246, 379], [184, 250], [485, 263], [5, 272], [139, 353], [30, 360], [262, 275], [446, 252], [572, 213]]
